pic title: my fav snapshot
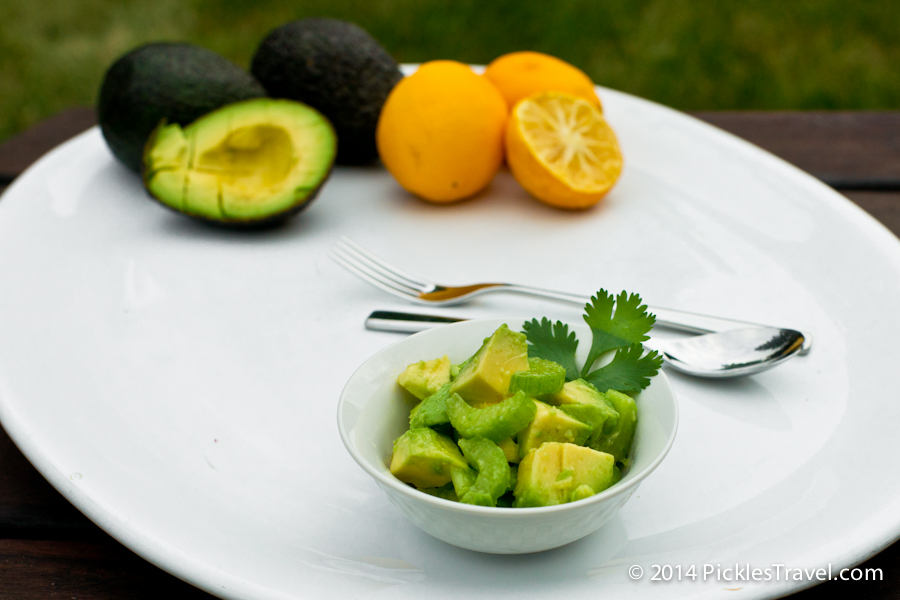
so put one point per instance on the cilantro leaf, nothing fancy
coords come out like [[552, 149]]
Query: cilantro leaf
[[552, 342], [629, 325], [628, 371]]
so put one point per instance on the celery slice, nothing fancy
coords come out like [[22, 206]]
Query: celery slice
[[495, 422], [493, 476], [542, 377]]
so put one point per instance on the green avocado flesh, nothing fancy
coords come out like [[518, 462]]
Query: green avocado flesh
[[557, 473], [425, 378], [581, 400], [424, 458], [618, 441], [246, 163], [484, 379], [551, 425]]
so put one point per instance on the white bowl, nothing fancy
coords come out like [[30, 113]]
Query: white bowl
[[373, 412]]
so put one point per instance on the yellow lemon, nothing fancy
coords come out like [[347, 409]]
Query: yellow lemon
[[519, 75], [440, 133], [561, 150]]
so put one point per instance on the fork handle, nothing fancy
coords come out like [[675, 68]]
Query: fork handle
[[665, 317], [673, 319]]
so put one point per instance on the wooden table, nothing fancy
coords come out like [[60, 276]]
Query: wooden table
[[50, 550]]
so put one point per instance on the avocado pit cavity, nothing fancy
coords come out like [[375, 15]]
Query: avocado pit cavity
[[254, 159]]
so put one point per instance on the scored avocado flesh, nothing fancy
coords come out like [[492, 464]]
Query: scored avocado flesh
[[245, 163]]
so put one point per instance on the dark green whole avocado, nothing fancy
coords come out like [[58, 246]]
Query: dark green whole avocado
[[337, 68], [172, 81]]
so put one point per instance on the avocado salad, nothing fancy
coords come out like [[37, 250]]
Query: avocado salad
[[518, 424]]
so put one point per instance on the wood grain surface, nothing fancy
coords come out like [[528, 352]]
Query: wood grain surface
[[50, 550], [20, 151], [847, 150]]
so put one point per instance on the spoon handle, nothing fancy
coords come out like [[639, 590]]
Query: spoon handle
[[401, 322]]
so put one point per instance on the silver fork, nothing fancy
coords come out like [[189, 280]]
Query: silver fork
[[419, 290]]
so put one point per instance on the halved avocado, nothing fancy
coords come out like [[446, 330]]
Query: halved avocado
[[247, 163]]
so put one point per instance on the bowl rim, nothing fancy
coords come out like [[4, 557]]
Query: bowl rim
[[496, 511]]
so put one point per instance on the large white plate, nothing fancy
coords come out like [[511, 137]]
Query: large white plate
[[177, 382]]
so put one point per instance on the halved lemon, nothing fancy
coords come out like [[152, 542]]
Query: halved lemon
[[561, 150]]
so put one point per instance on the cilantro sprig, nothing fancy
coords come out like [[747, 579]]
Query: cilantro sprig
[[620, 324], [629, 370], [553, 342], [627, 326]]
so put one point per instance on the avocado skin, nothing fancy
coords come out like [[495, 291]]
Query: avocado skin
[[337, 68], [172, 81]]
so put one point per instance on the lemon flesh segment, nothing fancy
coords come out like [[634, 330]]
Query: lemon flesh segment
[[572, 140]]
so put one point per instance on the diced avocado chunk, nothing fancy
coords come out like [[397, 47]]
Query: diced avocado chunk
[[510, 449], [423, 458], [484, 379], [551, 425], [594, 415], [425, 378], [602, 417], [618, 441], [542, 377], [557, 473], [493, 476], [432, 410], [494, 422], [581, 400]]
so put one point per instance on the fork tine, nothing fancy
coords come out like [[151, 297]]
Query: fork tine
[[367, 276], [387, 268], [374, 272]]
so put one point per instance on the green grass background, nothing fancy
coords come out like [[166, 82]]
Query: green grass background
[[715, 54]]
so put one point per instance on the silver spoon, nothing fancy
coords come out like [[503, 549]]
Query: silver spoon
[[724, 354]]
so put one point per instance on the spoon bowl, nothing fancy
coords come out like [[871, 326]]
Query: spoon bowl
[[730, 353]]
